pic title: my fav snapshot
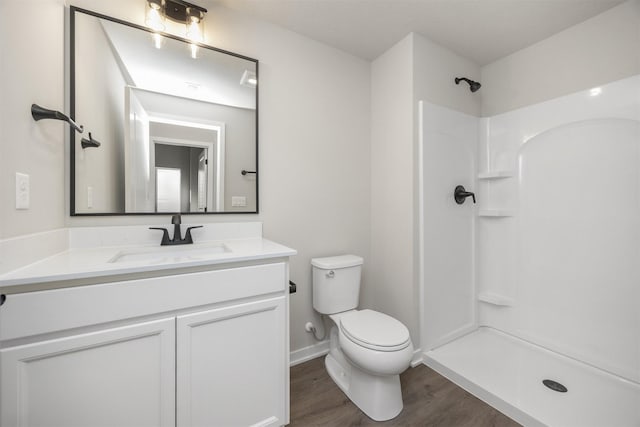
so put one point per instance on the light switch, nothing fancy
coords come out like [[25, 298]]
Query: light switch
[[238, 201], [22, 191]]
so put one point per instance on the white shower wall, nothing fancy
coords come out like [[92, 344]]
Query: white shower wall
[[551, 252], [566, 264], [448, 141]]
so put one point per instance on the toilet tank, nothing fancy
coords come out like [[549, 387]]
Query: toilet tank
[[336, 283]]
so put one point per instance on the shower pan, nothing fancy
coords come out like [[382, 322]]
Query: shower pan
[[536, 310]]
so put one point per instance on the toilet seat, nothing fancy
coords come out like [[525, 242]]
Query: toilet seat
[[374, 330]]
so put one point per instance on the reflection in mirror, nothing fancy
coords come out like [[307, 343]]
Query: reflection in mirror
[[175, 131]]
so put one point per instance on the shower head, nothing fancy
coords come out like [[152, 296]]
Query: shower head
[[473, 86]]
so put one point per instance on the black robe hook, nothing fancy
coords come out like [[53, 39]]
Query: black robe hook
[[89, 142]]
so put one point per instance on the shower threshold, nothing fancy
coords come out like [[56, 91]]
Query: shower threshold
[[508, 373]]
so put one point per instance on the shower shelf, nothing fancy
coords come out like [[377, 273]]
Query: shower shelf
[[496, 213], [496, 174], [495, 299]]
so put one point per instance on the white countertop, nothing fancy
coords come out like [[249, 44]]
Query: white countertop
[[87, 263]]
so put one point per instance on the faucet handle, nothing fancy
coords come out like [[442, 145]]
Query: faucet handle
[[187, 237], [175, 219], [165, 235], [460, 195]]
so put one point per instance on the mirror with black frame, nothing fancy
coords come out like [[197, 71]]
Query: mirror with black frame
[[173, 125]]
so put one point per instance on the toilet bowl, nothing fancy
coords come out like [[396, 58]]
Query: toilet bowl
[[377, 343], [368, 349]]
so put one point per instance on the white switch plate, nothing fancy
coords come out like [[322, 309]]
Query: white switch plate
[[22, 191], [238, 201]]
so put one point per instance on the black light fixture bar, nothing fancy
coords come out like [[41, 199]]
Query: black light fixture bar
[[181, 11]]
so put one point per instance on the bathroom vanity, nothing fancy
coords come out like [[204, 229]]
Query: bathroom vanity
[[141, 336]]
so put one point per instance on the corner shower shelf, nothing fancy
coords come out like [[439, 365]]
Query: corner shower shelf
[[496, 213], [495, 299], [496, 174]]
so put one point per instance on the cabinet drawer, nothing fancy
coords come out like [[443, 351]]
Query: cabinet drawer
[[35, 313]]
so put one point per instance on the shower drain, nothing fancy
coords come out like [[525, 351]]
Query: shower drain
[[555, 386]]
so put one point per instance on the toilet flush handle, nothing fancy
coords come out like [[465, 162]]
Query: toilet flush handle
[[330, 274]]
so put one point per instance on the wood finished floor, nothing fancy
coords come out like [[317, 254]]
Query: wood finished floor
[[429, 400]]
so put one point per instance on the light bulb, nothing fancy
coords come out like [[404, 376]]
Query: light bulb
[[193, 31], [157, 40], [154, 20], [194, 50]]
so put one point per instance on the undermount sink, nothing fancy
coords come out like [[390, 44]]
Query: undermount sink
[[167, 254]]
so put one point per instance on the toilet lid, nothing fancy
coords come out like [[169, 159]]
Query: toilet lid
[[374, 330]]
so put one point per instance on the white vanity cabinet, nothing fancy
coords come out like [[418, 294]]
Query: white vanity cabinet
[[113, 377], [205, 348], [229, 365]]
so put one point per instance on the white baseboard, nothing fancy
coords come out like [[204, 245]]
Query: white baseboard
[[417, 359], [305, 354]]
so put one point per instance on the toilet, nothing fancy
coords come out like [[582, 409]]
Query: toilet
[[367, 349]]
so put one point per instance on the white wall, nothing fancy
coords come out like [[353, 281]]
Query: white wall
[[100, 109], [31, 71], [314, 147], [412, 70], [389, 286], [314, 135], [435, 68], [602, 49]]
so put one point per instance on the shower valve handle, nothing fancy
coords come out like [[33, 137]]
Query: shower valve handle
[[460, 195]]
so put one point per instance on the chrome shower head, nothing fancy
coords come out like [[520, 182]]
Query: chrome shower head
[[473, 86]]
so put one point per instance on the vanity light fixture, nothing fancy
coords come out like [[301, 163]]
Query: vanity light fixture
[[190, 15], [155, 15]]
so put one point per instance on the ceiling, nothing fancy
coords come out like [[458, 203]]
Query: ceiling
[[480, 30]]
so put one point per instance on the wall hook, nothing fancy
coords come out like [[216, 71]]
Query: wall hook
[[39, 113], [89, 142]]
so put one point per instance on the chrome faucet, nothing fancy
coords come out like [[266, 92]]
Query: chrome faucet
[[177, 235]]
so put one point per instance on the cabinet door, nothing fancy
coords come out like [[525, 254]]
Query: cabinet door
[[116, 377], [232, 366]]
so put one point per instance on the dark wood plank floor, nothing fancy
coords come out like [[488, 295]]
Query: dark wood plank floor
[[429, 400]]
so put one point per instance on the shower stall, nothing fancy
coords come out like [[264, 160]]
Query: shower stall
[[530, 299]]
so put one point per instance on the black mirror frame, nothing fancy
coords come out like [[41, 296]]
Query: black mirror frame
[[72, 107]]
